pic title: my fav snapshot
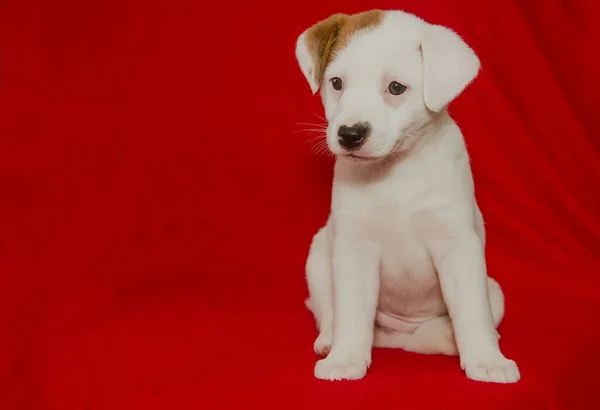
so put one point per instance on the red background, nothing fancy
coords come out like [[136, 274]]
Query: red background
[[157, 202]]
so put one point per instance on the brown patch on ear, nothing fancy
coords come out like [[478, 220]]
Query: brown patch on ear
[[329, 36]]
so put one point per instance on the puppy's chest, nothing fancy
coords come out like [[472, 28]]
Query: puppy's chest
[[398, 222], [409, 285]]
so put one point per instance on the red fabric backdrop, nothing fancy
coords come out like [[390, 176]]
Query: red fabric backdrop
[[157, 202]]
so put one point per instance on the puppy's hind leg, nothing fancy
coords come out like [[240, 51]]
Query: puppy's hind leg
[[433, 337], [437, 336], [496, 297], [319, 278]]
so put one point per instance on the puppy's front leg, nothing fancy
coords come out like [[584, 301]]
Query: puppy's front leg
[[355, 266], [461, 267]]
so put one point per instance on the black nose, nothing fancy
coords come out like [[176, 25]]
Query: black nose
[[353, 137]]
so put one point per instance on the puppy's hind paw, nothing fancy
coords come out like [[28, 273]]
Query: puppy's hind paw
[[322, 344]]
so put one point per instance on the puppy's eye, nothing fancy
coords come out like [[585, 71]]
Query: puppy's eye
[[336, 83], [395, 88]]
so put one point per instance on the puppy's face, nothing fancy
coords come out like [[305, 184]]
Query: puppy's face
[[383, 76]]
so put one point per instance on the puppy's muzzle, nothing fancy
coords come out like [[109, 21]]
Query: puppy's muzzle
[[353, 137]]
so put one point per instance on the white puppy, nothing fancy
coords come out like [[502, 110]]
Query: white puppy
[[400, 262]]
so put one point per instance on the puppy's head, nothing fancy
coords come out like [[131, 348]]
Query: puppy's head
[[383, 76]]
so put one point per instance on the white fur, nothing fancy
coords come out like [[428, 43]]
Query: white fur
[[400, 262]]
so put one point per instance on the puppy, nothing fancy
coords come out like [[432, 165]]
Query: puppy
[[400, 262]]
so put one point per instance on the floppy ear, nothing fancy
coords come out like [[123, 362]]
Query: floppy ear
[[449, 66], [314, 47]]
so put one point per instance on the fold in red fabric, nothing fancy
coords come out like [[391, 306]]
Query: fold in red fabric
[[157, 201]]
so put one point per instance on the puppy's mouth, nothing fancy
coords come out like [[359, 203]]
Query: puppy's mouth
[[359, 158]]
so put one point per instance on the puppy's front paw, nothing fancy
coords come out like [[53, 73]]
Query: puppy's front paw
[[493, 368], [333, 368], [322, 345]]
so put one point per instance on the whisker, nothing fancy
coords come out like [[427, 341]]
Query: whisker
[[321, 149], [318, 142], [310, 132], [312, 129], [316, 138], [312, 124], [319, 117]]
